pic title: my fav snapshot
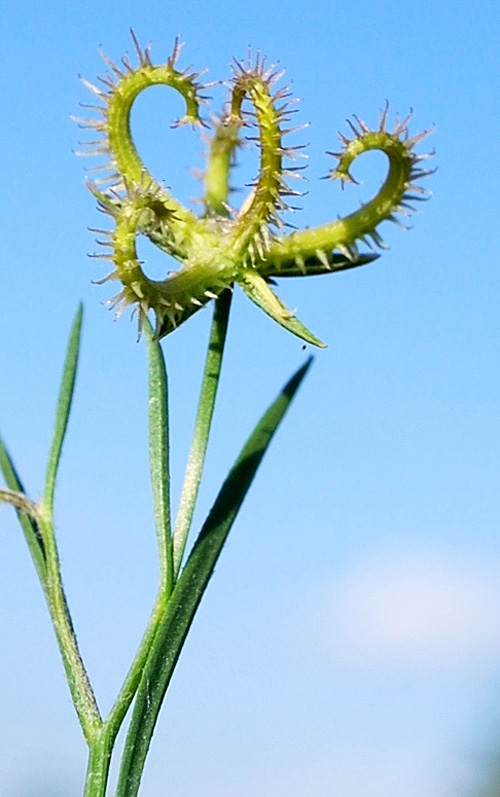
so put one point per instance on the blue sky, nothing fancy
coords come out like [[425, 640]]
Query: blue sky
[[349, 643]]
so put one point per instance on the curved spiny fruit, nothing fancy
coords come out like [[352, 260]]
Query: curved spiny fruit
[[263, 204], [224, 247], [398, 189]]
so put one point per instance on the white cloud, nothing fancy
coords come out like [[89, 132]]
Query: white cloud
[[427, 609]]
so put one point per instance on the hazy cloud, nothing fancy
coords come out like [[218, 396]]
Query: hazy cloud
[[428, 609]]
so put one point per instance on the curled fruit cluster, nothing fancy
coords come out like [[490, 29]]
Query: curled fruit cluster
[[223, 246]]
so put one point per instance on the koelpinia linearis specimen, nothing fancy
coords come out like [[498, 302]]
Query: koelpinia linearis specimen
[[250, 248]]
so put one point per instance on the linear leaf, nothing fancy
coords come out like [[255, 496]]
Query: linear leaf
[[159, 455], [63, 408], [203, 423], [188, 592]]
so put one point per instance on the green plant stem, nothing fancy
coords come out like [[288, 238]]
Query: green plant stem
[[185, 599], [76, 674], [38, 526], [158, 399], [159, 458], [216, 181], [99, 761], [198, 450], [216, 178], [101, 749]]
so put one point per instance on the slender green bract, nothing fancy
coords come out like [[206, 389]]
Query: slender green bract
[[223, 248]]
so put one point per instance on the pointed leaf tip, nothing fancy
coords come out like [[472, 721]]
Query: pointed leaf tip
[[258, 290]]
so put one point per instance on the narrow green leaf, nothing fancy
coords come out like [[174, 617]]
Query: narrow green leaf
[[159, 455], [63, 409], [188, 592], [203, 423], [42, 543], [187, 501], [28, 523]]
